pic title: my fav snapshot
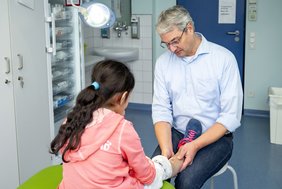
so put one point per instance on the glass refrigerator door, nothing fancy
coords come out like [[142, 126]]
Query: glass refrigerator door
[[66, 60]]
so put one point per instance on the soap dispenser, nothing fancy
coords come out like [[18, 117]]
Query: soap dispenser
[[135, 27], [105, 33]]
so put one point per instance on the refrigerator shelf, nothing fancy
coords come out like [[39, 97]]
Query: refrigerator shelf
[[63, 64], [63, 45], [61, 113], [62, 56], [63, 16], [62, 86], [61, 73], [61, 31]]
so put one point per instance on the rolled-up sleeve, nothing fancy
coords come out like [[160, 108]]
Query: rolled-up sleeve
[[231, 97], [161, 106]]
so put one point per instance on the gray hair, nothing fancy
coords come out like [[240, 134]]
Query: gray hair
[[176, 16]]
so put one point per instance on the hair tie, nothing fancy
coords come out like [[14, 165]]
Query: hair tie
[[96, 85]]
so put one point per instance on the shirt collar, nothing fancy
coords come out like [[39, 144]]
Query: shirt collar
[[202, 49]]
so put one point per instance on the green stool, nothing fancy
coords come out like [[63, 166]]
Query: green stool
[[48, 178], [167, 185]]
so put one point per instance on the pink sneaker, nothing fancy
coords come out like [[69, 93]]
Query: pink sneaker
[[193, 131]]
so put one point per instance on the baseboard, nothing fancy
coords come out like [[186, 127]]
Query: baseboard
[[138, 106], [256, 113], [247, 112]]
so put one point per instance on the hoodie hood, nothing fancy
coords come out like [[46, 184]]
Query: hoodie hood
[[96, 133]]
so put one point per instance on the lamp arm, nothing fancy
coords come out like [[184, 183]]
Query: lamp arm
[[82, 10]]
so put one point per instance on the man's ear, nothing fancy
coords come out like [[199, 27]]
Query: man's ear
[[190, 27], [123, 98]]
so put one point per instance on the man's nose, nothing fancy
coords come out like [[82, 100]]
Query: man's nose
[[172, 48]]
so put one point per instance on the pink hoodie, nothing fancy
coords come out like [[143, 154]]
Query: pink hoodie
[[110, 157]]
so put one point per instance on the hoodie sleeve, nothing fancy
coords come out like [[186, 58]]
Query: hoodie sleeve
[[141, 167]]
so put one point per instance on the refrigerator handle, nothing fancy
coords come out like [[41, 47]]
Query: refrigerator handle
[[52, 49], [53, 27]]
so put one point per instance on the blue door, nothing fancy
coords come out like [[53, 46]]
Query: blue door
[[231, 36]]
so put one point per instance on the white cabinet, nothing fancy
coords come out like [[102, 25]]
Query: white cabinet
[[24, 99]]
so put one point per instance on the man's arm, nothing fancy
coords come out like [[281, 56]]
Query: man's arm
[[189, 150], [163, 134]]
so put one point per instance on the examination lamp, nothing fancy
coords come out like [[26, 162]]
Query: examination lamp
[[96, 14]]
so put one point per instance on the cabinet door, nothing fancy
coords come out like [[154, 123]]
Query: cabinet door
[[8, 158], [31, 88]]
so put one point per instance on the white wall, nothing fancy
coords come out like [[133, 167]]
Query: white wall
[[263, 65]]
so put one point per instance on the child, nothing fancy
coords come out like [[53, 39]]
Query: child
[[99, 147]]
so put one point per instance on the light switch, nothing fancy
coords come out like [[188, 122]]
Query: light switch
[[252, 40]]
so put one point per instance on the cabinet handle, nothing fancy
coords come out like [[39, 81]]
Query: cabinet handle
[[7, 65], [20, 67]]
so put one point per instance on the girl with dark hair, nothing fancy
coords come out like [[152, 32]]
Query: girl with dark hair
[[99, 147]]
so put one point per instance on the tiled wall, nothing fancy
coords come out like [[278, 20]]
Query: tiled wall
[[141, 68]]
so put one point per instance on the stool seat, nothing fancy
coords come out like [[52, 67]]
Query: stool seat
[[167, 185], [50, 177]]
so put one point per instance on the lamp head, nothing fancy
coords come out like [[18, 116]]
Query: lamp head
[[96, 15]]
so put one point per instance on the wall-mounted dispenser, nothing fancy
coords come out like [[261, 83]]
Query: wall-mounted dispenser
[[135, 27], [105, 33]]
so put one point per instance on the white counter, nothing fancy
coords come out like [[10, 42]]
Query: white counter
[[92, 59]]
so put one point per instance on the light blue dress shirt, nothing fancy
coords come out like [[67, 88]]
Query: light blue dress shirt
[[205, 86]]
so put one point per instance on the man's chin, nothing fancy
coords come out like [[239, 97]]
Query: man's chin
[[179, 53]]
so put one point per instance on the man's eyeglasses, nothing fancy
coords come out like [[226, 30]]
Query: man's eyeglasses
[[174, 42]]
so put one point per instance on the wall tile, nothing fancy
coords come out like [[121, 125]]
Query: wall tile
[[142, 68]]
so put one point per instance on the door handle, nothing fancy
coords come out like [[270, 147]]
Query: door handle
[[236, 32]]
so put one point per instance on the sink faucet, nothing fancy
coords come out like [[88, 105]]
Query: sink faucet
[[120, 27]]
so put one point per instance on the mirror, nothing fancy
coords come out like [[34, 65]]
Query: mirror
[[121, 8]]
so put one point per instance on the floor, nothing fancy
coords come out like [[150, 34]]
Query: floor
[[258, 163]]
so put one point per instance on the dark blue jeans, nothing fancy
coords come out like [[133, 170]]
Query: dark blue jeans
[[206, 163]]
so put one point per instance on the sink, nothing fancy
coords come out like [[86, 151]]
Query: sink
[[122, 54]]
